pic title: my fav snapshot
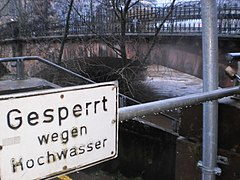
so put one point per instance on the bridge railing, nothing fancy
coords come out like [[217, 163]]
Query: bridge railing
[[185, 18]]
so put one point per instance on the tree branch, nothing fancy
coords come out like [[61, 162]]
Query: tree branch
[[4, 5], [158, 31]]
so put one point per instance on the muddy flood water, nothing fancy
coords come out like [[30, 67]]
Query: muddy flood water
[[166, 83], [163, 83]]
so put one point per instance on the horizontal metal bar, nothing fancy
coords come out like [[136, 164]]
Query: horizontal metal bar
[[28, 58], [130, 112]]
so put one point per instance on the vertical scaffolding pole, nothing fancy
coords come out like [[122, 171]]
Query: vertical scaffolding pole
[[210, 82]]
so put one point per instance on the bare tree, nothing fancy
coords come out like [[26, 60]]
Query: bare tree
[[158, 29], [118, 11], [121, 9]]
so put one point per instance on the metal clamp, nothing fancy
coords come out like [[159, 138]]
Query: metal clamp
[[216, 170]]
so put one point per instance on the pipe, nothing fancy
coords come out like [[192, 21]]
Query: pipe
[[130, 112], [232, 56], [210, 82]]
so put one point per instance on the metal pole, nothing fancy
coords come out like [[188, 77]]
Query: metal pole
[[210, 82], [129, 112]]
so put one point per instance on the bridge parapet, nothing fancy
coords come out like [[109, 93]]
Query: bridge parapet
[[185, 18]]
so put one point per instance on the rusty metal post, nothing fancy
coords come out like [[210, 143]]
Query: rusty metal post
[[210, 83]]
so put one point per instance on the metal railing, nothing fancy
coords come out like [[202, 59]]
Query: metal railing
[[135, 110], [123, 99], [20, 71], [185, 18]]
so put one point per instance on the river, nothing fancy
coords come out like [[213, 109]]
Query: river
[[166, 83], [163, 83]]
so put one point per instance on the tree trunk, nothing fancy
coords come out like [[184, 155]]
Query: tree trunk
[[66, 29], [123, 43]]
